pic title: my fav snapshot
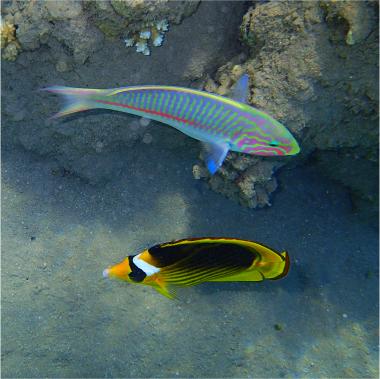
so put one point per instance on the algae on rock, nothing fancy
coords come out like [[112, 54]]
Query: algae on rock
[[9, 44]]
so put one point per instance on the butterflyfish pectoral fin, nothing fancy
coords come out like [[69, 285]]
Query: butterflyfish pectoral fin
[[215, 155], [168, 291], [239, 91]]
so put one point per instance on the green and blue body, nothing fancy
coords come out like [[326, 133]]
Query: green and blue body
[[221, 123]]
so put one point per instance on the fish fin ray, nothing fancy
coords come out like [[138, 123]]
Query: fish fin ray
[[208, 262], [76, 99], [192, 270], [166, 289], [207, 277], [239, 91]]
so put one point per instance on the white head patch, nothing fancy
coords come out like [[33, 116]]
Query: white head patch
[[146, 267]]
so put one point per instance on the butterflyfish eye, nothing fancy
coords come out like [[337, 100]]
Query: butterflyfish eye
[[273, 143]]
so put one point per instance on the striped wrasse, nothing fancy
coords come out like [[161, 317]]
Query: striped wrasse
[[221, 123], [188, 262]]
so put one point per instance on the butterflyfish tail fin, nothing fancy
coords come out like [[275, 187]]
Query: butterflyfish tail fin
[[285, 266], [76, 99]]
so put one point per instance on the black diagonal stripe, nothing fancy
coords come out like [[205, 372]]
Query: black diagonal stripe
[[136, 274]]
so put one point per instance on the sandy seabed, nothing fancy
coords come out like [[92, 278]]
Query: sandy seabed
[[60, 318]]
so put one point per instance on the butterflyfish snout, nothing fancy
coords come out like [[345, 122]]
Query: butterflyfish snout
[[105, 273], [189, 262]]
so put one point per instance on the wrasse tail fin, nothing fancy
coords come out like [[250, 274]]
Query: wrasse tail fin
[[76, 99]]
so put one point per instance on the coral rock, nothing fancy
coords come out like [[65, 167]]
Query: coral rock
[[305, 72]]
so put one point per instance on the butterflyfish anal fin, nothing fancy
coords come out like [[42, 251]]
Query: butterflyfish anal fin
[[239, 91], [215, 154], [245, 276]]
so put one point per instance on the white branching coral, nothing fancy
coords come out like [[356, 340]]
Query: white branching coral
[[129, 42], [158, 40], [162, 25], [142, 47], [151, 31], [145, 34]]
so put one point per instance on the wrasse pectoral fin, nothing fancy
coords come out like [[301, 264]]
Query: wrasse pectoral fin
[[239, 91], [215, 155]]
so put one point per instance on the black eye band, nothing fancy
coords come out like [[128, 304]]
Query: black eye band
[[136, 274]]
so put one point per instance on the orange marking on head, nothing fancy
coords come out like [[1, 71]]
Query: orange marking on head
[[145, 256], [120, 270]]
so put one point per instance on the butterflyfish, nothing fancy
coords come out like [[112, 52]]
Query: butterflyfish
[[189, 262], [222, 124]]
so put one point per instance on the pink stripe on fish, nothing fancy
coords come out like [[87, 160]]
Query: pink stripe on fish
[[249, 141], [264, 150], [166, 115]]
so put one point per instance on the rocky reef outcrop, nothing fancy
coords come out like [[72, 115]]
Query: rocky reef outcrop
[[313, 66], [75, 29]]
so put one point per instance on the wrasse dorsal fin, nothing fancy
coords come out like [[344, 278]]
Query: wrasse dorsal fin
[[239, 91]]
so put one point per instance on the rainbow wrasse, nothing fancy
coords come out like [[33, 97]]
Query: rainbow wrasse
[[189, 262], [221, 123]]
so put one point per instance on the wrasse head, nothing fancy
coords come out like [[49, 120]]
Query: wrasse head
[[267, 137], [120, 271], [281, 146]]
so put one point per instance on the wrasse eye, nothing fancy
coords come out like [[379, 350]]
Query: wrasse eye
[[273, 143]]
